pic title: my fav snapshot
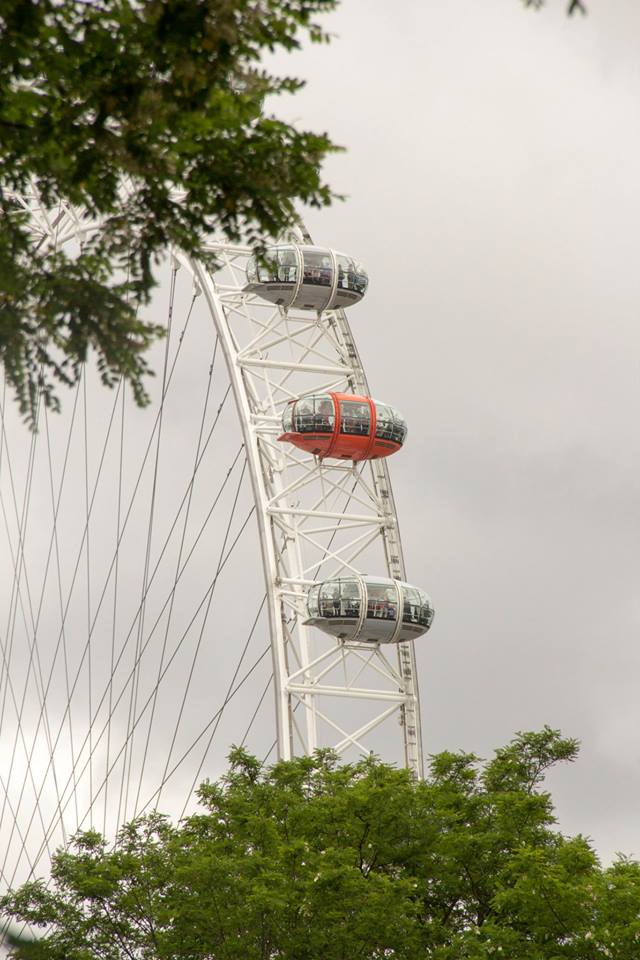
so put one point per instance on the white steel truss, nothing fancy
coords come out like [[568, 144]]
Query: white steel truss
[[316, 519]]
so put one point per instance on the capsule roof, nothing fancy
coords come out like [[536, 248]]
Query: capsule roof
[[307, 277], [369, 609]]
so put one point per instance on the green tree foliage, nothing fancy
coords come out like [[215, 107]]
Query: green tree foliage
[[309, 860], [149, 118]]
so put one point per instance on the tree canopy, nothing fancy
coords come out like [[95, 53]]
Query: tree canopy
[[153, 120], [310, 860]]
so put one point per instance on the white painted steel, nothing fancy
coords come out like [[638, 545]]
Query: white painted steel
[[294, 547], [315, 520]]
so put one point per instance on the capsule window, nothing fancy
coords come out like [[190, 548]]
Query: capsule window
[[329, 600], [287, 265], [384, 422], [312, 601], [399, 427], [287, 418], [252, 270], [304, 414], [382, 601], [351, 275], [347, 273], [337, 598], [314, 415], [361, 280], [355, 418], [350, 598], [390, 425], [426, 610], [426, 615], [318, 267], [411, 605], [280, 266], [268, 270]]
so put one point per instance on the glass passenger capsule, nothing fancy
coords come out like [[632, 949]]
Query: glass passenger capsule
[[369, 609], [309, 278], [343, 426]]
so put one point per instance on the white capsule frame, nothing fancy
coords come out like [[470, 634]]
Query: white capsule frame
[[392, 612], [307, 277]]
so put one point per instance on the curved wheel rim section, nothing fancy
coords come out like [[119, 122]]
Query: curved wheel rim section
[[136, 650], [317, 519]]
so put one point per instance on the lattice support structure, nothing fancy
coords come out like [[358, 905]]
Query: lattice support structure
[[306, 533], [123, 591]]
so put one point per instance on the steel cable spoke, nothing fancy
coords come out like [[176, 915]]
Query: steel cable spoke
[[226, 699], [179, 558], [150, 698], [204, 622], [134, 675], [61, 636], [131, 674], [76, 567], [145, 576], [256, 711], [24, 696], [16, 592]]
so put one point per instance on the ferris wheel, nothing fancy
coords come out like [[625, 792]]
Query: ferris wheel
[[222, 567]]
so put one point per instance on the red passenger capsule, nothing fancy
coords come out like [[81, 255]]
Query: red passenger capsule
[[343, 426]]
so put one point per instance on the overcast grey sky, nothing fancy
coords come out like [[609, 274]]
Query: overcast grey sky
[[491, 176], [492, 190]]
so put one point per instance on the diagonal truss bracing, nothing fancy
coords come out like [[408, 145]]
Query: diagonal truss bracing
[[316, 518], [109, 610]]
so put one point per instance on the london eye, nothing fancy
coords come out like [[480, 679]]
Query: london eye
[[223, 566]]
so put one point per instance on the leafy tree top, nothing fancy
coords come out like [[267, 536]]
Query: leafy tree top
[[311, 860], [149, 119]]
